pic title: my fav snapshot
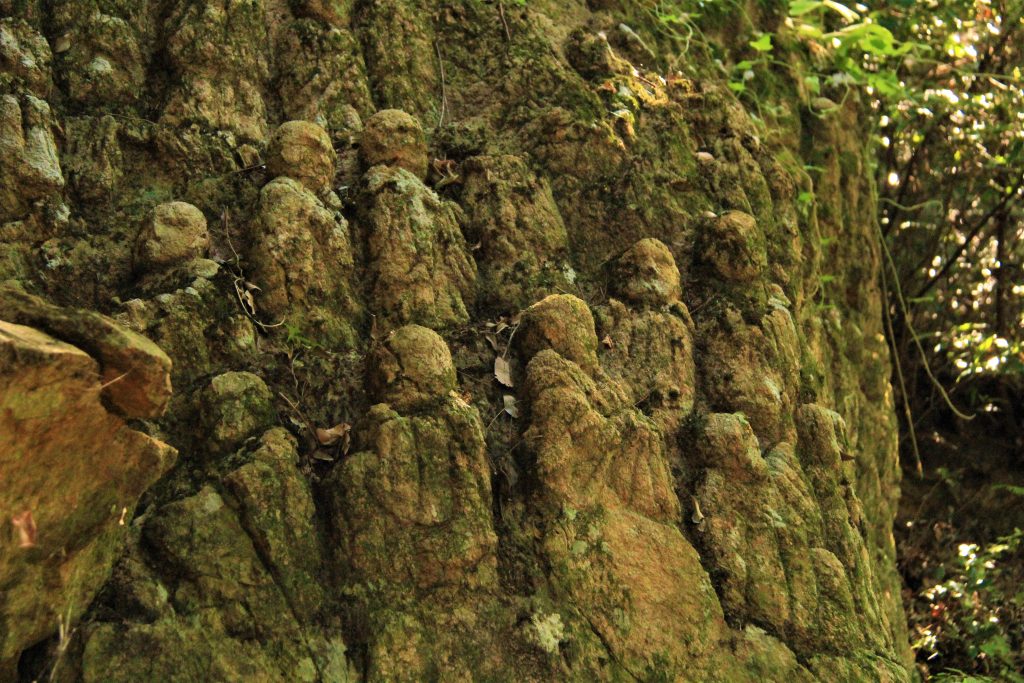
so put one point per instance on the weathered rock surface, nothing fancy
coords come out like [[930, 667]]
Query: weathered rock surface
[[302, 151], [420, 269], [301, 250], [394, 138], [29, 168], [173, 233], [529, 377], [135, 372], [522, 242], [73, 470]]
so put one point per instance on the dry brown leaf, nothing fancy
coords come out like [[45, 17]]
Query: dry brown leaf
[[492, 339], [503, 371], [510, 405], [26, 527], [338, 433], [608, 343]]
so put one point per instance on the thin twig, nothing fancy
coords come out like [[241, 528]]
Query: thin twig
[[899, 376], [501, 13], [444, 87], [913, 333], [302, 416]]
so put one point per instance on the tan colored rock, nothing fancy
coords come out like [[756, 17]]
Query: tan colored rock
[[25, 56], [563, 323], [29, 166], [754, 370], [651, 353], [71, 472], [616, 549], [394, 138], [303, 151], [135, 372], [301, 259], [419, 264], [411, 367], [647, 274], [173, 233], [735, 247]]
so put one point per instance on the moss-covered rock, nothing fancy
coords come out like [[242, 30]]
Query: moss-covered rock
[[420, 268], [601, 465], [234, 407], [276, 508], [647, 274], [302, 151], [414, 501], [604, 513], [322, 77], [29, 167], [398, 45], [394, 138], [102, 54], [562, 323], [65, 513], [333, 12], [411, 367], [173, 232], [230, 619], [301, 260], [218, 56], [25, 58], [522, 250]]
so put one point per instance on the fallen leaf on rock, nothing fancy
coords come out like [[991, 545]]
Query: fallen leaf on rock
[[608, 343], [26, 527], [503, 371], [510, 405], [338, 433]]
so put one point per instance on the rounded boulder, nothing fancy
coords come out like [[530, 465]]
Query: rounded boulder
[[303, 151], [395, 138]]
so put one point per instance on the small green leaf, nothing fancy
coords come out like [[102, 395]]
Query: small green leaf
[[798, 8], [763, 43]]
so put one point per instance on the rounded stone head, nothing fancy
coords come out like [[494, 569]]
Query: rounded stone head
[[563, 323], [412, 366], [734, 246], [647, 274], [174, 232], [303, 151], [394, 138]]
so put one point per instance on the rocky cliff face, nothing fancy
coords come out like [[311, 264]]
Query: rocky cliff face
[[506, 346]]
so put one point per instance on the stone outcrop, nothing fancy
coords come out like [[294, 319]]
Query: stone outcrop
[[420, 269], [499, 351], [175, 232], [73, 470], [301, 249]]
